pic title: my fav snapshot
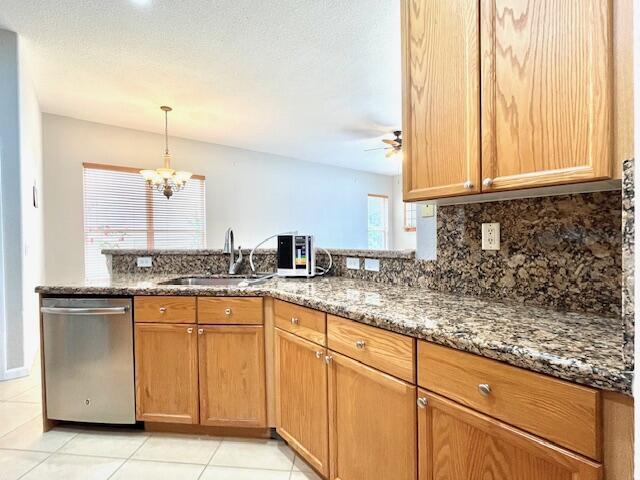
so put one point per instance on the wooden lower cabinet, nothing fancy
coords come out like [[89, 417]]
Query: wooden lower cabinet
[[372, 423], [456, 442], [232, 376], [301, 398], [166, 373]]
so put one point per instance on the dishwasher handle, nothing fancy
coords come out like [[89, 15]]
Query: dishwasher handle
[[84, 311]]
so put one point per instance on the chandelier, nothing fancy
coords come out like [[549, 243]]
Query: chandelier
[[165, 179]]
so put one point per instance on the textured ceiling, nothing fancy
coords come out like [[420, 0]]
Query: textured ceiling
[[316, 80]]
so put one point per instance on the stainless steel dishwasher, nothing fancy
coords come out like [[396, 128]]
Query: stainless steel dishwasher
[[88, 359]]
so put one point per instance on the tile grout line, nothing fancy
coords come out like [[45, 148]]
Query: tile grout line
[[129, 457], [211, 458], [19, 426]]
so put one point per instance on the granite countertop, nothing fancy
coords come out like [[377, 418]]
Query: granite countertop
[[581, 348]]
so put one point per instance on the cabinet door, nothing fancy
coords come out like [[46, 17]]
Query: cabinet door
[[546, 92], [166, 373], [301, 398], [455, 442], [372, 423], [232, 376], [441, 98]]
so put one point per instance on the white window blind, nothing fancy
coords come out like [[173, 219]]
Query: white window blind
[[121, 212]]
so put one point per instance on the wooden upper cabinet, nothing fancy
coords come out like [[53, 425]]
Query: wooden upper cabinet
[[166, 373], [546, 92], [441, 98], [455, 442], [232, 376], [372, 423], [301, 398]]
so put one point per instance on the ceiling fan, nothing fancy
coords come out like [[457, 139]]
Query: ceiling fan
[[394, 145]]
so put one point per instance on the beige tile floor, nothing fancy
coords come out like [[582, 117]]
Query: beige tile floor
[[102, 453]]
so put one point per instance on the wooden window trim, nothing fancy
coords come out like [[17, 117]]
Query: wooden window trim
[[118, 168]]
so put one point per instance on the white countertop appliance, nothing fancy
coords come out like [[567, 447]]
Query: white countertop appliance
[[296, 256]]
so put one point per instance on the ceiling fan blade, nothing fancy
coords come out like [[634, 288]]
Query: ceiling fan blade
[[393, 143], [379, 148]]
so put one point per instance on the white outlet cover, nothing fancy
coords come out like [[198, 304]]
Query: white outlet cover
[[490, 236], [144, 262], [372, 264], [353, 263]]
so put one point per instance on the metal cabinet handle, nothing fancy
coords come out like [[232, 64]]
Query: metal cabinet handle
[[360, 344], [328, 359], [227, 311], [484, 389], [468, 185], [163, 309], [319, 354], [200, 331], [190, 330], [422, 402], [487, 182], [294, 321]]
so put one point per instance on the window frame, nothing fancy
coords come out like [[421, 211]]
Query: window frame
[[385, 228], [150, 228], [407, 226]]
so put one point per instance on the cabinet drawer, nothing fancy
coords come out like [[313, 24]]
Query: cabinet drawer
[[230, 310], [387, 351], [559, 411], [304, 322], [164, 309]]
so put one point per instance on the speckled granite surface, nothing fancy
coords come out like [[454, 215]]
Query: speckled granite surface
[[582, 348], [628, 258], [562, 252]]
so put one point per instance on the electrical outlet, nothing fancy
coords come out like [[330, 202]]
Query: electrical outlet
[[372, 264], [353, 263], [490, 236], [144, 262]]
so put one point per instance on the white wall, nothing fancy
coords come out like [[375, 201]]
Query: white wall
[[21, 229], [257, 194], [32, 218], [402, 240]]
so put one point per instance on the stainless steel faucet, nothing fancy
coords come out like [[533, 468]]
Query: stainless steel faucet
[[234, 264]]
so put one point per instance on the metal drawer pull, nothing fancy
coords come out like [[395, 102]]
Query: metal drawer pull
[[84, 311], [163, 309], [328, 359], [360, 344], [487, 182], [468, 185], [294, 321], [484, 389], [190, 330], [319, 354], [200, 331], [422, 402], [227, 311]]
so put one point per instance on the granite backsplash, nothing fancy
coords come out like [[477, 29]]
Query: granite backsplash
[[628, 259], [562, 252]]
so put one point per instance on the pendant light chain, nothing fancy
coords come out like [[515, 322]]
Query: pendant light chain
[[165, 179]]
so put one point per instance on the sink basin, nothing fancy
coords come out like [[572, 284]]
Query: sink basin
[[230, 281]]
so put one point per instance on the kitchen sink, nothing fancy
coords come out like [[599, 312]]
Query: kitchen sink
[[230, 281]]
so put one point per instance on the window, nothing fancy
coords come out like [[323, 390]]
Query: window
[[121, 212], [409, 217], [377, 214]]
